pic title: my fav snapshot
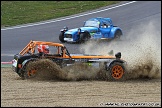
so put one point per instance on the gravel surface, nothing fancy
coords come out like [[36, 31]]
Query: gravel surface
[[88, 93]]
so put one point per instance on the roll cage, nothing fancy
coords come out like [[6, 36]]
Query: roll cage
[[31, 47]]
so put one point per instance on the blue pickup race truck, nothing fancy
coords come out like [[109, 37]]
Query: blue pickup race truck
[[94, 28]]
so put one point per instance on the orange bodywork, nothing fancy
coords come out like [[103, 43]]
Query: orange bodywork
[[63, 58]]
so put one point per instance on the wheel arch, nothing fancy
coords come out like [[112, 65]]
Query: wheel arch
[[114, 30], [109, 64], [86, 31], [25, 62]]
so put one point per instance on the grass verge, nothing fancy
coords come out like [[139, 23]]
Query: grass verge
[[22, 12]]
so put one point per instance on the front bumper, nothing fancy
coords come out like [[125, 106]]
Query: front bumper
[[14, 65], [69, 40]]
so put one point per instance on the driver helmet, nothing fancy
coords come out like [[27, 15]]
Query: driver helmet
[[43, 48]]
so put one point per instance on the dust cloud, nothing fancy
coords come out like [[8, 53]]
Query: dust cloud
[[49, 70], [141, 48]]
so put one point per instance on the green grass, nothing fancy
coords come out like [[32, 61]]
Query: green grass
[[22, 12]]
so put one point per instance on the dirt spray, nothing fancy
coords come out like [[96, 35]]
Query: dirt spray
[[141, 48]]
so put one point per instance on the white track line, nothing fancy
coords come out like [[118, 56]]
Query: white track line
[[69, 17], [7, 54]]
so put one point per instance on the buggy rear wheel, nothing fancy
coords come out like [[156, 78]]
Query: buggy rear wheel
[[116, 72]]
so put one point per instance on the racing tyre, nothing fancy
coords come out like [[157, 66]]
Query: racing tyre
[[116, 72], [84, 37], [30, 73], [61, 37], [118, 34], [21, 73], [26, 73]]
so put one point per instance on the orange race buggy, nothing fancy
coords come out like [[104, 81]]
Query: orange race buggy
[[59, 54]]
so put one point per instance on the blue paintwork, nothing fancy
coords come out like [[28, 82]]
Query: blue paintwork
[[95, 27]]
